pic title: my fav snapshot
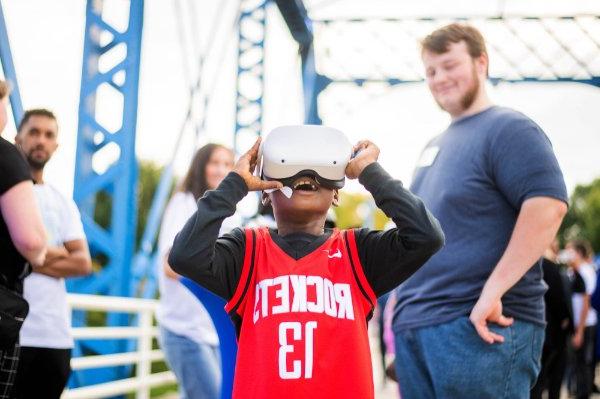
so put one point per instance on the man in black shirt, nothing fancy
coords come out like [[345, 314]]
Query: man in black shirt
[[559, 319]]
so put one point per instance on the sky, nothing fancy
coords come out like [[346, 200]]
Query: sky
[[47, 42]]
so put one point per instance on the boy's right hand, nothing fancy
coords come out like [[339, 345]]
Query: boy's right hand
[[245, 168], [366, 153]]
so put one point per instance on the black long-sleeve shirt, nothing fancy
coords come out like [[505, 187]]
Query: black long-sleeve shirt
[[387, 257], [558, 306]]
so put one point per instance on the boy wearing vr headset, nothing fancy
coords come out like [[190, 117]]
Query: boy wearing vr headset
[[301, 295]]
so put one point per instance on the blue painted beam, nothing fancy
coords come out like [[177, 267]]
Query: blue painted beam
[[312, 85], [250, 73], [296, 18], [10, 73], [143, 269], [118, 181]]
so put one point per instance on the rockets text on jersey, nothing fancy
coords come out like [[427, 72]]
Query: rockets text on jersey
[[302, 324]]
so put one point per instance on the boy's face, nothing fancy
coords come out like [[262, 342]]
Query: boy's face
[[309, 201]]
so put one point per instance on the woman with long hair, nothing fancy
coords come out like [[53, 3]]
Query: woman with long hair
[[187, 334]]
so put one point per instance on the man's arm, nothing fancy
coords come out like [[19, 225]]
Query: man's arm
[[24, 221], [577, 339], [536, 226], [73, 259], [168, 270]]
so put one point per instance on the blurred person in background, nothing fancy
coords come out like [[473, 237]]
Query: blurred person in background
[[187, 334], [583, 284], [46, 340], [595, 303], [559, 326], [22, 244], [493, 181]]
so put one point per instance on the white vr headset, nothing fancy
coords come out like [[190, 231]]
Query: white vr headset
[[289, 152]]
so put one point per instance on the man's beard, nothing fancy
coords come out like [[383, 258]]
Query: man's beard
[[35, 163], [469, 97]]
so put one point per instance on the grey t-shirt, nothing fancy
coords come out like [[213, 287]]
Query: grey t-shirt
[[474, 178]]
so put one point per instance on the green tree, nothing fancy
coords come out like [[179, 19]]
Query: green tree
[[149, 177], [583, 218], [354, 208]]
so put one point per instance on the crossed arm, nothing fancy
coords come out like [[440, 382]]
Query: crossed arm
[[72, 259]]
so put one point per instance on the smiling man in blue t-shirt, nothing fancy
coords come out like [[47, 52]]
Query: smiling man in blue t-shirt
[[469, 323]]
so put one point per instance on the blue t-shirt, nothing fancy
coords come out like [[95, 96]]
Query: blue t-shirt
[[474, 178]]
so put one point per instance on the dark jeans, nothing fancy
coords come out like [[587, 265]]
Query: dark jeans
[[42, 373], [583, 362], [554, 364]]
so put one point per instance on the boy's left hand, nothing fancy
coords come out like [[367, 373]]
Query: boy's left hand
[[366, 154]]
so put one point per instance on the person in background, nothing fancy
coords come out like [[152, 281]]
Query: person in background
[[559, 325], [22, 240], [583, 284], [46, 340], [388, 337], [187, 334], [595, 303], [493, 181]]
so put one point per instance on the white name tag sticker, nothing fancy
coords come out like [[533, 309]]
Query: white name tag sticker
[[428, 157]]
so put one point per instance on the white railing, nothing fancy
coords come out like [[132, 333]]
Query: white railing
[[144, 332]]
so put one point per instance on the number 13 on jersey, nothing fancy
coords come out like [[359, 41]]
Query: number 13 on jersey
[[286, 348]]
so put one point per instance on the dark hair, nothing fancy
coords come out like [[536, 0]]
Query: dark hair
[[35, 112], [439, 40], [195, 178], [4, 90], [582, 247]]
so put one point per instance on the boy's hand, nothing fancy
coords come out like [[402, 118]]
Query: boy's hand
[[366, 153], [245, 168]]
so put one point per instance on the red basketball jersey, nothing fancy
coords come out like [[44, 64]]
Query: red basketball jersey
[[302, 324]]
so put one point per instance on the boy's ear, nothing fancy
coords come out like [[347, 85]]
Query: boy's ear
[[265, 199], [336, 198]]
